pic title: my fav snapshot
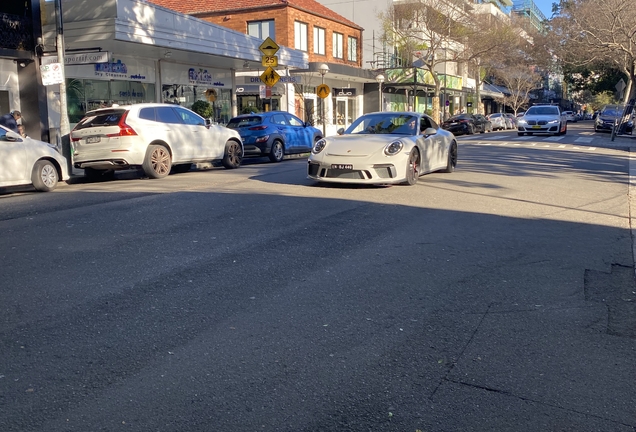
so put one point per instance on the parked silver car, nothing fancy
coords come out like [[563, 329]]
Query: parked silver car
[[498, 121]]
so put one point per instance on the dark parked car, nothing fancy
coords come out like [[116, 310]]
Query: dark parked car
[[608, 115], [483, 120], [274, 134], [464, 124]]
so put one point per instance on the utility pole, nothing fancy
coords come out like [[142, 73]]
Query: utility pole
[[65, 128]]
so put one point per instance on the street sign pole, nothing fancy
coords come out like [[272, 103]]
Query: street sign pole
[[269, 60]]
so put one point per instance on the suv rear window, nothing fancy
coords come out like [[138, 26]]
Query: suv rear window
[[102, 118], [239, 122]]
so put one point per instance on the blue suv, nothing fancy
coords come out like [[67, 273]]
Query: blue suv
[[274, 134]]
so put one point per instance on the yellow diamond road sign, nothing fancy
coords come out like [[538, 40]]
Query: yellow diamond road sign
[[270, 77], [269, 47]]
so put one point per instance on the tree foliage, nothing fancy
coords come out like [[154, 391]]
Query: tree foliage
[[588, 33]]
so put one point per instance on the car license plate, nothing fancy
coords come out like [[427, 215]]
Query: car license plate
[[342, 166], [536, 127], [93, 140]]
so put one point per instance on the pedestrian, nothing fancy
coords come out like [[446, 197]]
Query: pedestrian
[[10, 121], [21, 131]]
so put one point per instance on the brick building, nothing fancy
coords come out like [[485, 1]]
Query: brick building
[[306, 25]]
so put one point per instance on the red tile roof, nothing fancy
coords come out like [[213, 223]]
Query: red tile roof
[[201, 6]]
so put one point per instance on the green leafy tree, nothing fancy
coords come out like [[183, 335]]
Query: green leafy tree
[[203, 108]]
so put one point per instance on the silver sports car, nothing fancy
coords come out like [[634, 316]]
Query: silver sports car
[[384, 148]]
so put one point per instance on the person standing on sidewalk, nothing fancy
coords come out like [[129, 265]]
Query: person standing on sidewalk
[[10, 121]]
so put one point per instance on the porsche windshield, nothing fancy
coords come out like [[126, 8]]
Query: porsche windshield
[[384, 123]]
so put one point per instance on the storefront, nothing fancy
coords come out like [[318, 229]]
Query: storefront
[[120, 80], [185, 84]]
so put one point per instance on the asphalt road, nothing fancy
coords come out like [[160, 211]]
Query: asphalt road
[[497, 297]]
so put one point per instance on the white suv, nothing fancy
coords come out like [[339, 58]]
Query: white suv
[[542, 119], [156, 137]]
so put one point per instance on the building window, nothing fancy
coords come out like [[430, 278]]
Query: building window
[[352, 49], [300, 36], [261, 29], [319, 40], [337, 45]]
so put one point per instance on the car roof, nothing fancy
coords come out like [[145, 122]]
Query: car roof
[[131, 106]]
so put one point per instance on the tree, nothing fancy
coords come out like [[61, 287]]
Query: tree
[[428, 26], [520, 81], [586, 33]]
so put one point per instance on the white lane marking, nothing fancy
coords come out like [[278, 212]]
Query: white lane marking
[[496, 137], [523, 138], [554, 138], [584, 140], [562, 146]]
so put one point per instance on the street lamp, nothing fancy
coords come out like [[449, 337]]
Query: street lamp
[[323, 69], [380, 80]]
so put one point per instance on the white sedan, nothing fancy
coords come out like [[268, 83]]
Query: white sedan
[[26, 161], [384, 148]]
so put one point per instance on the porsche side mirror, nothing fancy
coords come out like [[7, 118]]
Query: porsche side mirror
[[340, 131], [429, 131]]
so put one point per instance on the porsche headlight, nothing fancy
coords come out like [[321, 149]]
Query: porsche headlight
[[393, 148], [319, 146]]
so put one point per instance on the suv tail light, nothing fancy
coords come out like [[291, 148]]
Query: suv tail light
[[124, 129], [262, 127]]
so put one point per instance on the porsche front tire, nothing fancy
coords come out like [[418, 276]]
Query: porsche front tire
[[413, 166]]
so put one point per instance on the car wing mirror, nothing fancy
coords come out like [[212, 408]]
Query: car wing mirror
[[13, 137], [340, 131], [429, 131]]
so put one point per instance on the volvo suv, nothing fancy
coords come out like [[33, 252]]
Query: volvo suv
[[547, 119], [158, 138]]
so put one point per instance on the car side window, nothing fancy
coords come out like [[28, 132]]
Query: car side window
[[189, 118], [147, 114], [294, 121], [167, 115], [424, 124], [279, 119]]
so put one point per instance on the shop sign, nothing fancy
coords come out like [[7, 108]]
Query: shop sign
[[282, 79], [203, 77], [116, 69], [344, 92], [79, 58]]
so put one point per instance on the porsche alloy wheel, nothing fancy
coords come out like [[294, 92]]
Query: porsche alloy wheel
[[452, 158], [413, 167], [158, 162]]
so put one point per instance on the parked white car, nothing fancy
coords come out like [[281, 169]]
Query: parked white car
[[25, 161], [159, 138]]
